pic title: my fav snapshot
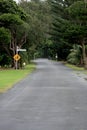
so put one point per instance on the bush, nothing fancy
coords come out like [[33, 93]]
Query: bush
[[5, 60], [75, 55]]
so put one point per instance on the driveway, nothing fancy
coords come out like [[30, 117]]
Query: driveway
[[53, 97]]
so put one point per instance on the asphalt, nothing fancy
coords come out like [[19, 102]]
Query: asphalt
[[53, 97]]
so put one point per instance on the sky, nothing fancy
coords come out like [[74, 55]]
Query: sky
[[18, 0]]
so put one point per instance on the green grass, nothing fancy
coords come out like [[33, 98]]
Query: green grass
[[81, 70], [75, 67], [9, 77]]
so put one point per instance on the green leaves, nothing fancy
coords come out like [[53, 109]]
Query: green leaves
[[8, 19], [5, 35], [39, 21], [12, 17], [10, 6], [75, 55], [78, 14], [78, 10]]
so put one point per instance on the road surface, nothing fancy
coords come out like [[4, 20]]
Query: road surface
[[53, 97]]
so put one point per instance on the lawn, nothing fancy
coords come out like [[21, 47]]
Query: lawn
[[10, 76]]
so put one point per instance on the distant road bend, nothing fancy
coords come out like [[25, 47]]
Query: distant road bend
[[51, 98]]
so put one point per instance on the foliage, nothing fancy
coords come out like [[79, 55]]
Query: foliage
[[78, 13], [28, 23], [8, 19], [58, 31], [5, 35], [45, 28], [10, 6], [5, 60], [39, 24], [13, 17], [69, 27], [74, 56]]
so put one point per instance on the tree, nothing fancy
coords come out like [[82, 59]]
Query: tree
[[39, 22], [75, 55], [13, 17], [59, 24], [5, 37], [78, 13]]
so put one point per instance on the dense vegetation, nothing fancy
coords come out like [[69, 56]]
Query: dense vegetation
[[69, 30], [45, 28]]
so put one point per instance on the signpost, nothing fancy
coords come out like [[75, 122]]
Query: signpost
[[21, 49], [17, 56]]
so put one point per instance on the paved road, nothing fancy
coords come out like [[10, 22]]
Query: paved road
[[51, 98]]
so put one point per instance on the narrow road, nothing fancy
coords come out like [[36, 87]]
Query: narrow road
[[51, 98]]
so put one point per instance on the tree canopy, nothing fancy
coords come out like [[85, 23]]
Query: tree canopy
[[45, 28]]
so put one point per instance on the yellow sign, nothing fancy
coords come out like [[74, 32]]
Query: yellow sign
[[16, 57]]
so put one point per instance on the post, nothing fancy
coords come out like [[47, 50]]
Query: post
[[56, 57], [16, 60]]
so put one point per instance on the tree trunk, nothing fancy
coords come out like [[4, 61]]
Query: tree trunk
[[84, 55], [81, 61]]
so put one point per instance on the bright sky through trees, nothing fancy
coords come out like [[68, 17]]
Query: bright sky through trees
[[19, 0], [16, 0]]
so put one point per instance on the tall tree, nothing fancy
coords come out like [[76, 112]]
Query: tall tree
[[78, 28], [39, 23], [12, 16], [59, 23]]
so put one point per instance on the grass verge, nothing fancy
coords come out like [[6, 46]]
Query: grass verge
[[75, 67], [79, 70], [9, 77]]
